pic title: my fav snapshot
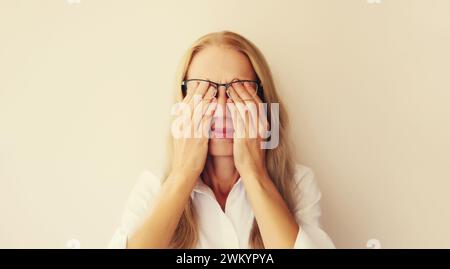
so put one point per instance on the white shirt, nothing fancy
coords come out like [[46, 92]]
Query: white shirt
[[229, 228]]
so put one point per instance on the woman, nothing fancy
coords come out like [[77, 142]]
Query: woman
[[222, 190]]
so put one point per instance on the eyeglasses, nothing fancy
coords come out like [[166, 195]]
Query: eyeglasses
[[254, 85]]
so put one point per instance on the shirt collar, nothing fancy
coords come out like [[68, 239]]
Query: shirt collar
[[201, 187]]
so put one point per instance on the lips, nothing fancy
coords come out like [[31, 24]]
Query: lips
[[225, 130], [223, 133]]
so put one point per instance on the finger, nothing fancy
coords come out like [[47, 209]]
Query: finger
[[236, 119], [209, 96], [246, 92], [196, 88], [247, 109], [200, 105], [242, 91], [200, 110], [263, 124], [211, 106], [252, 91], [201, 90], [195, 98], [188, 107], [207, 119], [191, 87], [236, 99]]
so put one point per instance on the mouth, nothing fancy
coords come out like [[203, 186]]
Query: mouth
[[221, 131]]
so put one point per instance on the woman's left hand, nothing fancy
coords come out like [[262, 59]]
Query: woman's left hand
[[249, 120], [276, 223]]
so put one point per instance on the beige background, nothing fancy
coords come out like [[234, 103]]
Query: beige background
[[84, 103]]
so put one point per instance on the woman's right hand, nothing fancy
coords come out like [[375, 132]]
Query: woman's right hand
[[191, 147], [189, 158]]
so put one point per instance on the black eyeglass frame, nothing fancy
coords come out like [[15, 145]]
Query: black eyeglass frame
[[259, 88]]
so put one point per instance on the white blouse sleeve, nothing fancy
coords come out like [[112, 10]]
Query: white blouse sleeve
[[307, 211], [137, 207]]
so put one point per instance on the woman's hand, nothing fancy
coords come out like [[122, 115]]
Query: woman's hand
[[276, 223], [191, 133], [249, 156], [189, 159]]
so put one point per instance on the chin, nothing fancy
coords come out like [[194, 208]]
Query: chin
[[220, 147]]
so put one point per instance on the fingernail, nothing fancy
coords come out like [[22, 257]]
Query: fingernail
[[228, 94]]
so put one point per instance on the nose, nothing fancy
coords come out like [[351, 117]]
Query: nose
[[221, 114], [221, 96]]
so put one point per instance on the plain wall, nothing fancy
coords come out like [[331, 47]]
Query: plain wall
[[85, 91]]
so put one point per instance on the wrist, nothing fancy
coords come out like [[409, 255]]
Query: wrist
[[183, 176], [257, 173], [179, 184]]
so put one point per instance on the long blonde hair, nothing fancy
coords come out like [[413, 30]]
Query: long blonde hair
[[280, 162]]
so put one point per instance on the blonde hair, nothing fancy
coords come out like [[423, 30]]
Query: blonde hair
[[280, 162]]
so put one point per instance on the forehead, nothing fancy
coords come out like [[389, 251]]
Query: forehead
[[220, 64]]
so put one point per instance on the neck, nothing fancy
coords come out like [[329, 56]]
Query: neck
[[220, 175]]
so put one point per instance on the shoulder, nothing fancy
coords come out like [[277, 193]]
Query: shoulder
[[149, 178], [140, 198], [307, 194], [305, 178], [302, 170], [146, 186]]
